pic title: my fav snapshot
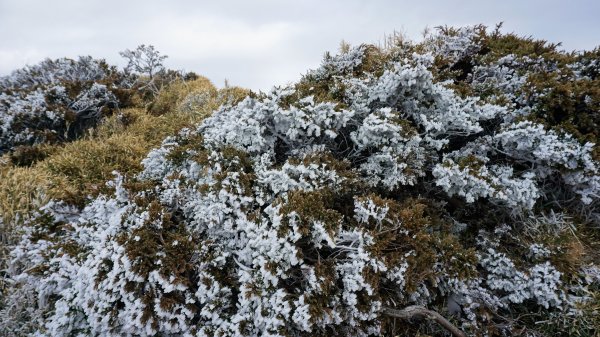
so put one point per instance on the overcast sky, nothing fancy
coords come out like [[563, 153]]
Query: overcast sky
[[261, 43]]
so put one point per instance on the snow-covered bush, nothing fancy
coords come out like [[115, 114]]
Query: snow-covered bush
[[59, 100], [383, 179], [55, 100]]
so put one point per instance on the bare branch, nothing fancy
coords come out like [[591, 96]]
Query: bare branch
[[414, 311]]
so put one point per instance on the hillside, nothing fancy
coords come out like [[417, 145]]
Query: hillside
[[444, 186]]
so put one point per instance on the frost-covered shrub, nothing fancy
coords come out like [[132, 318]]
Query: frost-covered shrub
[[48, 72], [454, 45], [59, 100], [479, 181], [54, 100], [383, 179]]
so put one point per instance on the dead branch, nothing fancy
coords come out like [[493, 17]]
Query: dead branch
[[414, 311]]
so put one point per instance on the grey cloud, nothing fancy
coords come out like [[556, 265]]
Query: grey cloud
[[258, 44]]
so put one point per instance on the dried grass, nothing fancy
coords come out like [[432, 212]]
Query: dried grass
[[170, 97]]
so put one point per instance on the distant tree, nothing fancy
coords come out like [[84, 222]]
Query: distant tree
[[147, 62]]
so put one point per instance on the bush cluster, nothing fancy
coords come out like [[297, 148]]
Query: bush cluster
[[459, 173]]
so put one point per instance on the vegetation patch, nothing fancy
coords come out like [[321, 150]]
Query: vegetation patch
[[454, 179]]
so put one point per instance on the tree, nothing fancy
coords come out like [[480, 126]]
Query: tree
[[146, 62]]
